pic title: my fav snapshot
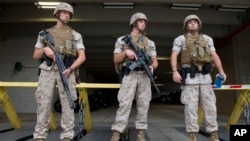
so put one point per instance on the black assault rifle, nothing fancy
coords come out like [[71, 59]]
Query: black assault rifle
[[45, 33], [142, 60]]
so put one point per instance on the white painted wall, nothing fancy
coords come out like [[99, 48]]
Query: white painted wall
[[19, 49]]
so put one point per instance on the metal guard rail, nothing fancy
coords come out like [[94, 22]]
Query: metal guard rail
[[83, 97]]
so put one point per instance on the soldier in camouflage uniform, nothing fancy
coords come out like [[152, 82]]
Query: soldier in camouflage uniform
[[69, 44], [197, 51], [136, 84]]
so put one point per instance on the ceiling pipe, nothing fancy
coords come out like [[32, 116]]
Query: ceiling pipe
[[233, 34]]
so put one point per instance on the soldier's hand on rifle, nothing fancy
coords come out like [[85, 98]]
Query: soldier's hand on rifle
[[49, 53], [67, 72], [151, 69], [130, 54], [177, 77]]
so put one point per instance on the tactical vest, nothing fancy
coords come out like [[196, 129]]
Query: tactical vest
[[64, 40], [197, 51], [141, 42]]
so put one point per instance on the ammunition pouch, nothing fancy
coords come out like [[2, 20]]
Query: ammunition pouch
[[68, 60]]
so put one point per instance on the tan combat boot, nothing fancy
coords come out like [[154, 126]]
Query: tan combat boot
[[214, 136], [66, 139], [140, 135], [116, 136], [192, 136], [39, 139]]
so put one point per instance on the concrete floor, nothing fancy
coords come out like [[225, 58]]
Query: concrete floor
[[166, 123]]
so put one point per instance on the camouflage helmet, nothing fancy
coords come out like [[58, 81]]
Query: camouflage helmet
[[137, 16], [191, 17], [63, 6]]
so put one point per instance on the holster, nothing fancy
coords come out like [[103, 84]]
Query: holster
[[193, 70], [68, 60], [124, 70], [48, 61], [183, 72], [206, 68]]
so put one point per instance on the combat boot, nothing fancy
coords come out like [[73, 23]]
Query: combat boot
[[140, 135], [39, 139], [116, 136], [66, 139], [192, 136], [214, 136]]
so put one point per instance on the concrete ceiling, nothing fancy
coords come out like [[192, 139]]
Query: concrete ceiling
[[100, 27]]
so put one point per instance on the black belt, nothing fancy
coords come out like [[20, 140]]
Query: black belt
[[188, 70], [138, 69]]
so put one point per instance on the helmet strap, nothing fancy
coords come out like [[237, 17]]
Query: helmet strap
[[58, 17], [135, 25]]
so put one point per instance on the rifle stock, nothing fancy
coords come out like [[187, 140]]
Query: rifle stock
[[45, 33], [141, 60]]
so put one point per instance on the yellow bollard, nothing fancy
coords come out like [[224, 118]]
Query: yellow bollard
[[200, 115], [83, 98], [9, 109], [238, 108], [52, 124]]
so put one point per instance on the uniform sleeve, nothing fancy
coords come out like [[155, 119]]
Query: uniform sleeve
[[119, 45], [40, 43], [152, 46], [178, 43], [210, 42], [78, 40]]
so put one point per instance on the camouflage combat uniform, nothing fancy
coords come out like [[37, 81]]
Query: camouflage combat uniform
[[198, 90], [48, 79], [134, 85]]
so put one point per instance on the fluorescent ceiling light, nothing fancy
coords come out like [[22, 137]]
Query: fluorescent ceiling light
[[185, 6], [118, 4], [233, 8], [46, 5], [108, 7]]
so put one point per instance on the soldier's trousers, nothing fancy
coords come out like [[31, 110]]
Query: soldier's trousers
[[134, 85], [44, 95], [203, 94]]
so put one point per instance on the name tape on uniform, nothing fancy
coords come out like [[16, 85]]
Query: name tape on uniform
[[239, 132]]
